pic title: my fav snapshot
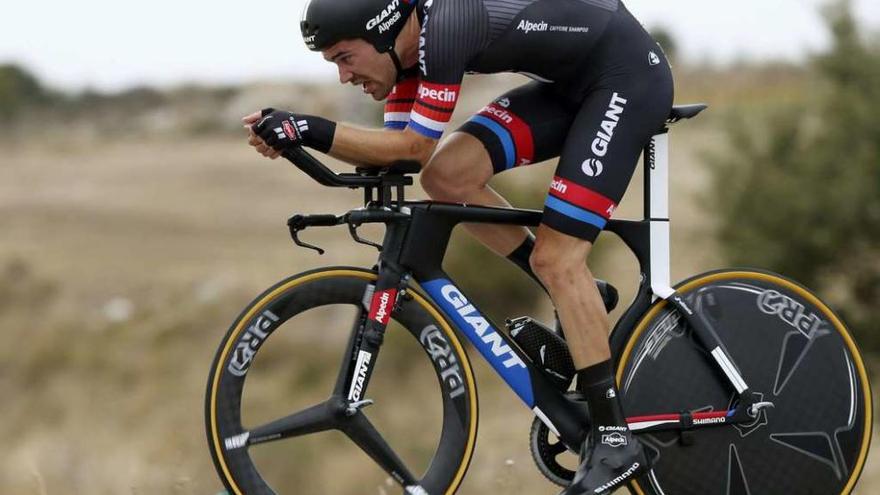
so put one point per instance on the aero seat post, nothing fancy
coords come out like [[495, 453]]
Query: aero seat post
[[657, 215], [657, 211]]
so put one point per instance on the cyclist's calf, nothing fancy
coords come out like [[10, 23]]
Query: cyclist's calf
[[559, 261]]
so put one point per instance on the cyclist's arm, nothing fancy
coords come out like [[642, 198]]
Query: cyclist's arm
[[380, 147], [383, 147], [422, 106]]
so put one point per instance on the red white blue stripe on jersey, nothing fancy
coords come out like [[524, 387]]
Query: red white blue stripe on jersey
[[400, 103], [514, 134], [433, 108], [580, 203]]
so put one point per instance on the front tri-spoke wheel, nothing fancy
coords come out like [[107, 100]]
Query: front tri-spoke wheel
[[277, 416]]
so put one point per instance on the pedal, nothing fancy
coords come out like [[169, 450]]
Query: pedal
[[545, 348]]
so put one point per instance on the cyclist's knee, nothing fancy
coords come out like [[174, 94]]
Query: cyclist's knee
[[440, 182], [560, 260], [456, 169]]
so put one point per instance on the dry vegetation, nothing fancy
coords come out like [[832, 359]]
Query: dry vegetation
[[122, 263]]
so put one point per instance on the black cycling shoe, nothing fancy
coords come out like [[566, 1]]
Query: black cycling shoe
[[608, 462]]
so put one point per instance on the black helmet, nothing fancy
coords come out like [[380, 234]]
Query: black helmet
[[325, 22]]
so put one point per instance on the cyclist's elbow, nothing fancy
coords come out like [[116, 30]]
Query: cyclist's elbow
[[418, 147]]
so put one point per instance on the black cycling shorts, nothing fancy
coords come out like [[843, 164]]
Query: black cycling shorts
[[598, 128]]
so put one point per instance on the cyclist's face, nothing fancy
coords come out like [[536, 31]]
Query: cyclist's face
[[359, 64]]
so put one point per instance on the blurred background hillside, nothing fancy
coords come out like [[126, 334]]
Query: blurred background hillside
[[136, 224]]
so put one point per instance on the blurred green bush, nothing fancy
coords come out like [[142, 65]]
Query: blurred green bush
[[799, 191], [18, 90]]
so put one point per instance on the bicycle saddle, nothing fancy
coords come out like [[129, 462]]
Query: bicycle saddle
[[684, 112]]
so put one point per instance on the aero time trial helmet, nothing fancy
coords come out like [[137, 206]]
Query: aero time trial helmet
[[326, 22]]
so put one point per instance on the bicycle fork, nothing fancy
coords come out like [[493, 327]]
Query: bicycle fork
[[350, 393], [379, 302]]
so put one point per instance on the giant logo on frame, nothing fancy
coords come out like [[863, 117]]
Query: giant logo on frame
[[482, 327]]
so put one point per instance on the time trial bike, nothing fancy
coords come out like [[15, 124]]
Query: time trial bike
[[738, 381]]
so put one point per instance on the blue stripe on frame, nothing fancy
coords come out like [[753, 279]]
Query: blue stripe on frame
[[503, 135], [575, 212], [485, 337]]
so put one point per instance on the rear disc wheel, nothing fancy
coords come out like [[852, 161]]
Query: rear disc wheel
[[792, 350]]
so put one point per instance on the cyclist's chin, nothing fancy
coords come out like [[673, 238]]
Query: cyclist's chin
[[378, 91]]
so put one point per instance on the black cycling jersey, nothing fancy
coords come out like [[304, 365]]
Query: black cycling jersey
[[603, 88], [549, 40]]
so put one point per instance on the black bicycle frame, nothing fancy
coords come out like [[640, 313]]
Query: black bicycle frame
[[415, 244], [417, 247], [414, 247]]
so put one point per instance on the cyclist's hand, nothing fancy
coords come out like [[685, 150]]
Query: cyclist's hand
[[285, 130], [254, 140], [279, 129]]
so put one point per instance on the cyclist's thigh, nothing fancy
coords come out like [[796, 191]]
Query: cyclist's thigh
[[525, 125], [614, 123], [460, 163]]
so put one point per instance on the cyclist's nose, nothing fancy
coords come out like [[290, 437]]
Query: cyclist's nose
[[345, 76]]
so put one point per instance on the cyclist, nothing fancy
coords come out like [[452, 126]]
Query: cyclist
[[601, 88]]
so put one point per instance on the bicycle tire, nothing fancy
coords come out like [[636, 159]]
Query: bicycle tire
[[793, 349], [328, 288]]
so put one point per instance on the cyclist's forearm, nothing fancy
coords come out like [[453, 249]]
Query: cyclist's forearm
[[379, 147]]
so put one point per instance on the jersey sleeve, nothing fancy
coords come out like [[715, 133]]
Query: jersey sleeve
[[452, 33], [433, 108], [400, 103]]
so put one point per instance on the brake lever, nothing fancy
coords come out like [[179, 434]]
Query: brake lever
[[294, 234], [354, 235], [297, 223]]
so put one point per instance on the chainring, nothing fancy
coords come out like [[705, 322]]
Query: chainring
[[546, 449]]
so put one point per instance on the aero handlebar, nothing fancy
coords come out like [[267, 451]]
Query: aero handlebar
[[372, 177]]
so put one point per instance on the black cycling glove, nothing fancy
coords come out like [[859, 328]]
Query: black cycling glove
[[284, 130]]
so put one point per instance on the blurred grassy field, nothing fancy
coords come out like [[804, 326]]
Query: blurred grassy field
[[122, 263]]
